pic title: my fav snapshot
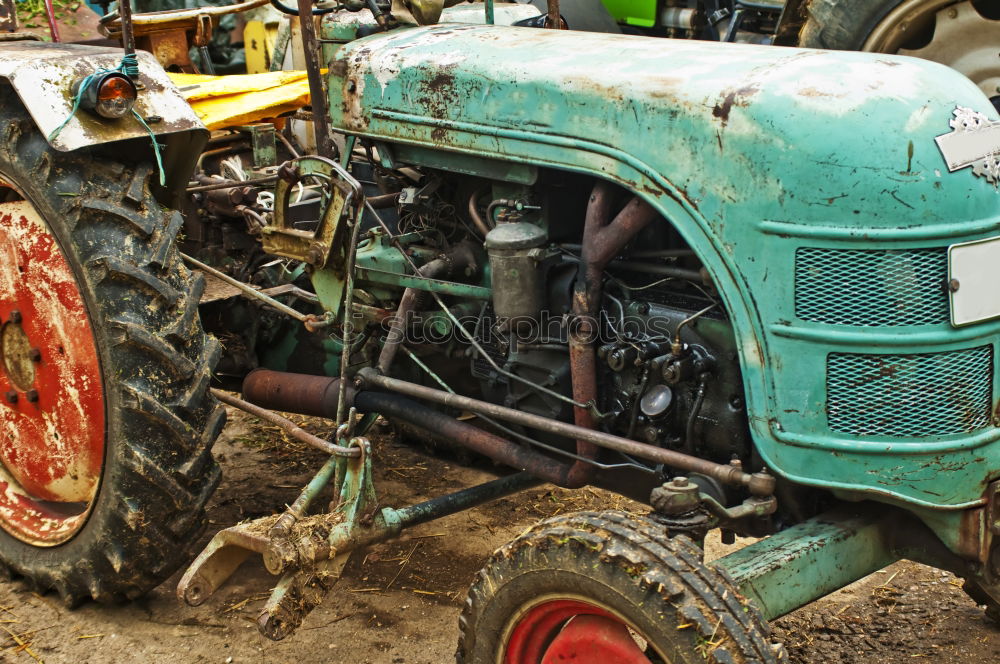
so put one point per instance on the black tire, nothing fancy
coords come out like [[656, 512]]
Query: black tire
[[923, 28], [842, 25], [687, 611], [155, 359]]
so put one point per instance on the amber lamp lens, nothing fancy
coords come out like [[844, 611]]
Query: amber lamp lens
[[115, 97], [116, 88]]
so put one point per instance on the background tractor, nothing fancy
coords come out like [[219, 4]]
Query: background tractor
[[751, 288]]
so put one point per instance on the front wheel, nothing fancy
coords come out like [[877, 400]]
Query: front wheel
[[105, 421], [959, 33], [593, 588]]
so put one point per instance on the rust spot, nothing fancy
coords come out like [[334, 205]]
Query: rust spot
[[970, 535], [816, 92], [739, 97], [439, 94], [338, 68]]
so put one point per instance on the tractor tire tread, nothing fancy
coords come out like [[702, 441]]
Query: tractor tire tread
[[670, 569], [842, 25], [150, 505]]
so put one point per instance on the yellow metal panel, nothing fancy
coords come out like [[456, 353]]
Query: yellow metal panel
[[255, 42], [195, 87], [226, 101]]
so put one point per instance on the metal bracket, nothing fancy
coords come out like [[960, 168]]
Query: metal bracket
[[310, 554], [312, 564], [217, 562], [263, 142], [342, 208], [297, 594], [311, 551]]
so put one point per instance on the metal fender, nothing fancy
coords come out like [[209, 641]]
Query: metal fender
[[42, 74]]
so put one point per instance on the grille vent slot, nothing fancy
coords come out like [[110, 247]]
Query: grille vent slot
[[910, 396], [871, 287]]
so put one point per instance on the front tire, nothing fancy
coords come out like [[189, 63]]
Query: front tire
[[599, 587], [107, 425]]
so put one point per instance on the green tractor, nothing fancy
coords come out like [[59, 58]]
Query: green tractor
[[752, 288]]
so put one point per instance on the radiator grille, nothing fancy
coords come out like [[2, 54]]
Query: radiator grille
[[871, 287], [910, 396]]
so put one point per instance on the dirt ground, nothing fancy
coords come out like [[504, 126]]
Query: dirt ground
[[398, 602]]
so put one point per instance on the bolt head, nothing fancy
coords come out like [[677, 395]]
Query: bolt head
[[31, 395], [15, 316], [680, 481], [11, 396]]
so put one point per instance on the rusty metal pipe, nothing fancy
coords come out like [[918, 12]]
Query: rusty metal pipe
[[269, 179], [731, 475], [317, 91], [317, 395], [292, 429], [288, 144], [269, 389], [459, 258], [477, 218], [128, 27], [407, 304], [602, 241], [553, 15], [383, 201], [50, 15], [292, 392], [440, 426]]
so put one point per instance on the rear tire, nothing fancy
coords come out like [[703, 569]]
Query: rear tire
[[155, 363], [619, 572], [842, 25]]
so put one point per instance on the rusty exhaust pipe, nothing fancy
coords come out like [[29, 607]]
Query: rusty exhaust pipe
[[602, 241], [260, 387], [317, 395]]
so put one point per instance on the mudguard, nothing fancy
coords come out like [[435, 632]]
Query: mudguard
[[755, 154], [42, 75]]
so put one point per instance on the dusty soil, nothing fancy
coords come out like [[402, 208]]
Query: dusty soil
[[398, 602]]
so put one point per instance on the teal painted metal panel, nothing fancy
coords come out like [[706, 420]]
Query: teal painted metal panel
[[811, 560], [753, 153]]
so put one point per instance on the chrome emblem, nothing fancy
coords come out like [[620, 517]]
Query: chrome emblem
[[974, 141]]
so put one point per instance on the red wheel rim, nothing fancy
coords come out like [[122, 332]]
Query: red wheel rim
[[567, 630], [51, 391]]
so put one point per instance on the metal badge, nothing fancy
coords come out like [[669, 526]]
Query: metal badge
[[974, 141]]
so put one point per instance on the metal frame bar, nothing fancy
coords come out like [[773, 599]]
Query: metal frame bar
[[758, 484]]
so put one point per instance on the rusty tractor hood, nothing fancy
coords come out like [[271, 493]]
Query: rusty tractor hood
[[787, 135], [756, 155]]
